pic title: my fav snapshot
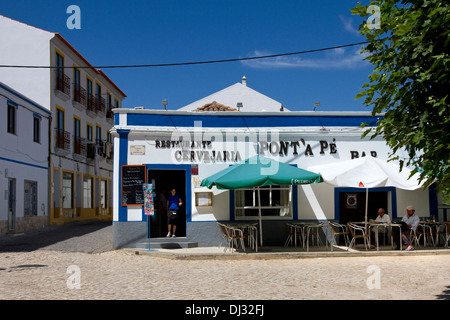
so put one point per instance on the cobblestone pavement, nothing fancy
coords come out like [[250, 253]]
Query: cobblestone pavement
[[67, 269]]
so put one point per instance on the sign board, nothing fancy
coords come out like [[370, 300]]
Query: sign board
[[133, 179]]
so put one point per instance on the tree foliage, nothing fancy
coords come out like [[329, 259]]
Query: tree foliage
[[410, 82]]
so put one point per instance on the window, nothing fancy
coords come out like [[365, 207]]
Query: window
[[98, 134], [77, 145], [108, 137], [87, 192], [102, 194], [76, 127], [60, 119], [108, 102], [89, 89], [12, 110], [30, 198], [77, 86], [275, 202], [98, 93], [60, 66], [36, 129], [116, 103], [89, 132], [67, 190]]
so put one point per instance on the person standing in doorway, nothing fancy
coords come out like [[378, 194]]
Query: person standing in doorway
[[174, 203]]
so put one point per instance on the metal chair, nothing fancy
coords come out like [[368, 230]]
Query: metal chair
[[447, 233], [358, 232], [292, 234], [233, 236], [338, 230], [425, 231]]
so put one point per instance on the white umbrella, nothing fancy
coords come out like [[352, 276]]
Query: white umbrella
[[367, 172]]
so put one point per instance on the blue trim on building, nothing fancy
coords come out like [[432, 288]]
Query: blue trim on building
[[338, 190], [244, 121], [123, 160], [20, 96], [24, 163]]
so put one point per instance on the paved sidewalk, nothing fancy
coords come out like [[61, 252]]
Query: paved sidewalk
[[46, 265]]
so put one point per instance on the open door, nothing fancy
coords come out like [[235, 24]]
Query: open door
[[163, 181]]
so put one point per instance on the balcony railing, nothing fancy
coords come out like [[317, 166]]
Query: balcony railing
[[62, 139], [91, 103], [109, 115], [79, 94], [62, 82], [90, 150], [79, 146], [100, 104]]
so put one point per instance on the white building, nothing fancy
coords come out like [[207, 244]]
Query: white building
[[240, 97], [23, 162], [178, 149], [80, 99]]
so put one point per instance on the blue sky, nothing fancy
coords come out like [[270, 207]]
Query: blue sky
[[118, 32]]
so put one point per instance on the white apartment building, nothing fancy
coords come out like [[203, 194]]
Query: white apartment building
[[80, 99], [23, 162]]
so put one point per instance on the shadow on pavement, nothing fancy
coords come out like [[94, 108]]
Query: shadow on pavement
[[52, 235]]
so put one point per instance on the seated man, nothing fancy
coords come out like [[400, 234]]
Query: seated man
[[382, 218], [411, 221]]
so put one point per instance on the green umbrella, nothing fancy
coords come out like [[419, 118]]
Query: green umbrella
[[260, 171]]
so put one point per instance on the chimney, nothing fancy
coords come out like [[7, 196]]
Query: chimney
[[244, 81]]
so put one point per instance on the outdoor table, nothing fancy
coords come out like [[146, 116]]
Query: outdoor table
[[252, 232], [386, 225]]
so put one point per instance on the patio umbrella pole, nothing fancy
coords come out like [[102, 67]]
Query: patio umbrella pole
[[260, 218], [367, 206]]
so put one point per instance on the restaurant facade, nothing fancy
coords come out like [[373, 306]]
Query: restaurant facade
[[178, 149]]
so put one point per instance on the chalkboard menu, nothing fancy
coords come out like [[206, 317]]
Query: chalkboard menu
[[133, 179]]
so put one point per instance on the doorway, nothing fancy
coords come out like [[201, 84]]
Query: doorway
[[11, 204], [163, 181], [352, 205]]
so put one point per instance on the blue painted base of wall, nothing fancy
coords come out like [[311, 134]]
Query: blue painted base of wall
[[127, 233]]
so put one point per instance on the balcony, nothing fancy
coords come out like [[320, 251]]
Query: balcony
[[62, 142], [79, 148], [62, 85], [100, 105], [79, 97], [110, 117], [91, 106]]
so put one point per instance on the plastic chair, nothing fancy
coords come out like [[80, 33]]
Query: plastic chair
[[358, 232], [338, 230]]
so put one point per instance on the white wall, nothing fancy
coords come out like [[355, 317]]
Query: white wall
[[26, 45], [22, 158]]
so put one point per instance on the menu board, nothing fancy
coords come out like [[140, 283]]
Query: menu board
[[133, 179]]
